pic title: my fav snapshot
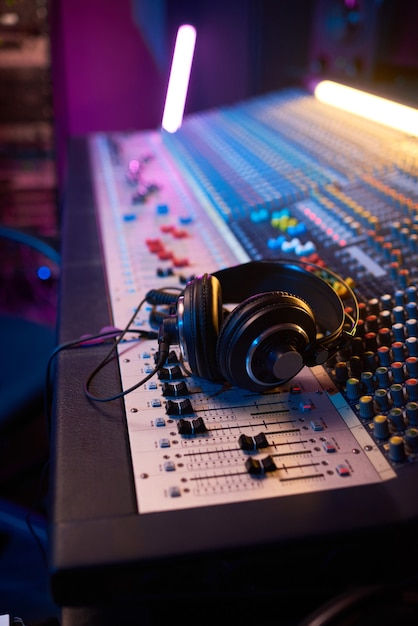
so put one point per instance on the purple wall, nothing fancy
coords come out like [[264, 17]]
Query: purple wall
[[104, 76], [111, 81]]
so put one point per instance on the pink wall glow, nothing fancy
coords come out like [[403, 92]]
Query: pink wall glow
[[107, 73]]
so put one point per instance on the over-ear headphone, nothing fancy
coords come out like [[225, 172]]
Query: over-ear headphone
[[284, 317]]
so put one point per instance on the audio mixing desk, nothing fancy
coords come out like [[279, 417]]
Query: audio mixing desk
[[153, 490]]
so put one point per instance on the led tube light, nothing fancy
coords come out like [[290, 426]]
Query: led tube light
[[369, 106], [179, 78]]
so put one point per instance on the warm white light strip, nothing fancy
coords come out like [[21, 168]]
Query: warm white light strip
[[179, 78], [393, 114]]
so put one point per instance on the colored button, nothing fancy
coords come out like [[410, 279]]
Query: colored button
[[343, 470]]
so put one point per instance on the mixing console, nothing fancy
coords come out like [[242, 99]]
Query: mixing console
[[279, 176]]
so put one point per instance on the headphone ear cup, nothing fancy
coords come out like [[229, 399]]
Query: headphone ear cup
[[262, 341], [202, 319]]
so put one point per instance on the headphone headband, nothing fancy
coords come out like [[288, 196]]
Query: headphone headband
[[242, 281], [284, 316]]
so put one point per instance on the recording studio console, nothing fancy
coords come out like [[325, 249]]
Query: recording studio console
[[222, 483], [280, 176]]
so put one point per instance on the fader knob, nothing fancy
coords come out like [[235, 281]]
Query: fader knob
[[191, 427], [247, 442], [260, 467]]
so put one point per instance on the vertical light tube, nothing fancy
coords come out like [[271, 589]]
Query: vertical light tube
[[179, 78]]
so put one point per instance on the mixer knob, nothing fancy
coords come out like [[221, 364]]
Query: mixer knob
[[411, 326], [398, 351], [381, 427], [396, 393], [372, 323], [356, 366], [361, 327], [399, 314], [384, 336], [411, 387], [411, 441], [385, 318], [411, 311], [396, 420], [396, 449], [374, 306], [412, 413], [386, 302], [398, 331], [411, 344], [140, 196], [411, 294], [366, 407], [381, 399], [382, 375], [367, 381], [399, 297], [370, 363], [404, 277], [353, 389], [356, 345], [370, 340], [398, 373], [341, 372], [383, 354], [133, 172]]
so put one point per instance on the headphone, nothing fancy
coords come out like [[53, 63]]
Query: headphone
[[285, 316]]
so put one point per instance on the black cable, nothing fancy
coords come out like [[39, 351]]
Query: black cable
[[112, 353], [85, 341], [121, 393]]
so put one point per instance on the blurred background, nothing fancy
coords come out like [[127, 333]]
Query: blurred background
[[70, 68]]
